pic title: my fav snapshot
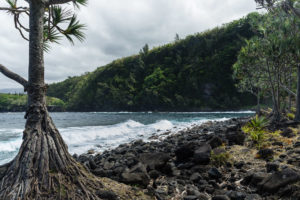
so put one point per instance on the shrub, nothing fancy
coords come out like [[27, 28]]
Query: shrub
[[258, 137], [256, 129], [258, 123], [290, 116], [220, 158]]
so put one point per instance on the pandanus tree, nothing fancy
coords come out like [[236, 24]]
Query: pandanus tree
[[43, 168], [267, 61], [291, 7], [248, 71], [287, 5]]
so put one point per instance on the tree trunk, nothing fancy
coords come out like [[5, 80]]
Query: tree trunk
[[297, 116], [278, 111], [258, 104], [276, 114], [43, 168], [290, 95]]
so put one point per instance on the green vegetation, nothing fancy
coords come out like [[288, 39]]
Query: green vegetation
[[223, 68], [258, 123], [259, 135], [256, 129], [290, 116], [268, 65], [194, 73], [220, 159], [8, 101], [18, 102]]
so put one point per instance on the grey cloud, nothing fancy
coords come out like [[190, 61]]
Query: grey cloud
[[118, 28]]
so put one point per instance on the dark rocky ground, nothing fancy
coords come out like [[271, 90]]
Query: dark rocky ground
[[182, 166]]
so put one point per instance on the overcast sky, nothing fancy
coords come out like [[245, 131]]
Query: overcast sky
[[117, 28]]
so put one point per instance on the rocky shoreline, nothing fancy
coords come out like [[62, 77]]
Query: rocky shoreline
[[209, 161]]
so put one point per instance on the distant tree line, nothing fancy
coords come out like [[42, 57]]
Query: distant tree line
[[18, 102]]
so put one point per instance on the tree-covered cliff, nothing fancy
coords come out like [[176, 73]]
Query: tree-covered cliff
[[194, 73]]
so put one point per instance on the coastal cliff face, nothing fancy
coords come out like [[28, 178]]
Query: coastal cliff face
[[212, 161], [191, 74]]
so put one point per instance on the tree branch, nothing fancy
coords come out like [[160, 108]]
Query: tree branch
[[13, 76], [16, 20], [296, 11], [16, 11], [21, 26], [286, 4], [288, 90], [19, 9]]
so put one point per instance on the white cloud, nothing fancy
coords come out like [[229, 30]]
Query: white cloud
[[118, 28]]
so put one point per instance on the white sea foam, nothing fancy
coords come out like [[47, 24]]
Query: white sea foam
[[214, 112], [10, 146], [100, 138], [162, 125], [81, 139], [10, 139]]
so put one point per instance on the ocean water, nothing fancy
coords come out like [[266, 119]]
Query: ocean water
[[104, 130]]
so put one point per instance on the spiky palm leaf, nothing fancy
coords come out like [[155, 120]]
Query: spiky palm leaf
[[77, 3], [60, 15], [74, 30], [58, 18]]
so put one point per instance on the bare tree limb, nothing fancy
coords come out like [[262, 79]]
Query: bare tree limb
[[16, 20], [19, 9], [286, 5], [296, 11], [14, 76], [288, 90], [21, 26], [16, 12]]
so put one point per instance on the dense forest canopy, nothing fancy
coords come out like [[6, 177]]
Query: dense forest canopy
[[194, 73]]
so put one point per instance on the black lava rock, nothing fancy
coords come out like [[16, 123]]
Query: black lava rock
[[266, 154], [202, 154], [272, 166], [107, 195], [279, 179], [214, 173]]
